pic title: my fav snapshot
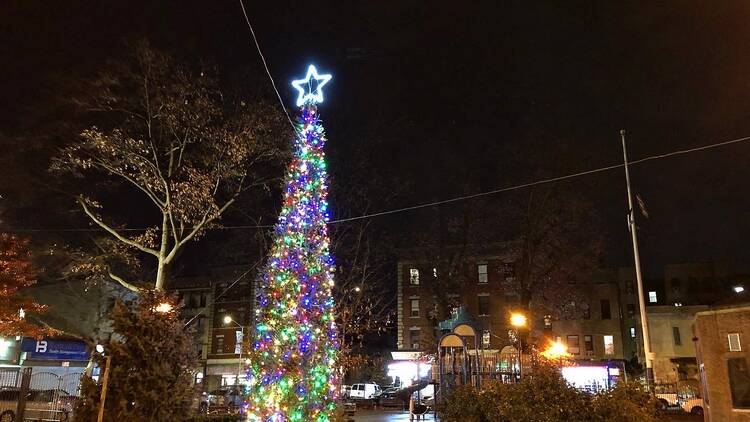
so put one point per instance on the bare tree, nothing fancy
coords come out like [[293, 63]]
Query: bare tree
[[171, 135], [560, 240]]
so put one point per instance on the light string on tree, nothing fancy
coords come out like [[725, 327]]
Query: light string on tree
[[291, 376]]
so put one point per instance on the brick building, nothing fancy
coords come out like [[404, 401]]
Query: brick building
[[483, 294], [591, 324], [722, 340], [206, 301]]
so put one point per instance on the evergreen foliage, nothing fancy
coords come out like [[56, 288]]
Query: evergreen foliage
[[152, 362]]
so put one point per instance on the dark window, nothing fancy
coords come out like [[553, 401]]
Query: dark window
[[414, 334], [739, 382], [586, 311], [676, 336], [629, 287], [631, 310], [484, 305], [508, 270], [588, 343], [203, 300], [606, 312], [219, 344], [676, 285]]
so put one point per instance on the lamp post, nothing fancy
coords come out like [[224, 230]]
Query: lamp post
[[518, 321], [228, 320]]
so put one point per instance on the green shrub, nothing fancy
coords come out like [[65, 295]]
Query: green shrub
[[626, 402], [463, 404], [546, 397]]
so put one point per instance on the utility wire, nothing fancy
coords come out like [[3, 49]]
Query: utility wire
[[445, 201], [243, 275], [265, 65]]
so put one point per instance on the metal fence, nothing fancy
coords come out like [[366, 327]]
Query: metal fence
[[40, 396]]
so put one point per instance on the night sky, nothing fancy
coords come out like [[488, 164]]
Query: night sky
[[438, 94]]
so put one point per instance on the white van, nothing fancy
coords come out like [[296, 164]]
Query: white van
[[364, 391]]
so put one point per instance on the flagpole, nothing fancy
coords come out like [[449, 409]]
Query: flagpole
[[639, 277]]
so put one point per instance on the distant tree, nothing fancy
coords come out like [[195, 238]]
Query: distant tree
[[364, 298], [17, 273], [152, 361], [170, 134], [560, 240], [363, 305]]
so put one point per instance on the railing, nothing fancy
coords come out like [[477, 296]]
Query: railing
[[41, 396]]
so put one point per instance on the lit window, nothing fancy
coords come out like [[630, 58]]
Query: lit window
[[434, 272], [609, 345], [486, 338], [676, 336], [414, 307], [482, 271], [413, 276], [734, 342], [652, 296], [573, 345], [632, 332]]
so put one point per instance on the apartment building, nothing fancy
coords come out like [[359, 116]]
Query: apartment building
[[483, 293]]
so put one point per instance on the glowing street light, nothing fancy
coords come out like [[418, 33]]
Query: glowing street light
[[556, 350], [518, 320], [164, 307], [738, 289]]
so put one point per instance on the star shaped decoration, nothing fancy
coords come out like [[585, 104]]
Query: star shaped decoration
[[305, 87]]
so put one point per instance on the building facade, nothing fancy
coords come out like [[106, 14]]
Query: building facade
[[591, 322], [483, 293], [206, 302], [722, 339]]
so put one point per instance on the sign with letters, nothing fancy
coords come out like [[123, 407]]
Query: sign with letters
[[50, 349]]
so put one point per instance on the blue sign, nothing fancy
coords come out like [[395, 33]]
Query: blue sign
[[49, 349]]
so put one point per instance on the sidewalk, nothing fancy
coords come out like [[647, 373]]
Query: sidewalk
[[387, 416]]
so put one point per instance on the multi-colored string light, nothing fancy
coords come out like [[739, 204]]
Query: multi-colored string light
[[292, 366]]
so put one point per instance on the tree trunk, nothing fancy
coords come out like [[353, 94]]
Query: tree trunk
[[161, 270]]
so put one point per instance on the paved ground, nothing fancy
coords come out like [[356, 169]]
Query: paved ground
[[386, 416], [398, 416]]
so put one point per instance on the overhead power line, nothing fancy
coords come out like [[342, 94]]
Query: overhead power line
[[441, 202], [265, 65]]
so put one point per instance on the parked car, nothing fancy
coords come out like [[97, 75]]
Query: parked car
[[365, 391], [391, 399], [48, 405], [666, 400], [692, 405]]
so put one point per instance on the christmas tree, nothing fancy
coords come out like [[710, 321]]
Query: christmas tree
[[292, 364]]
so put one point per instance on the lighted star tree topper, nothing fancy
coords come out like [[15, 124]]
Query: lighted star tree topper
[[292, 371]]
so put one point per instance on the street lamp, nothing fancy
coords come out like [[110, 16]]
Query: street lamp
[[556, 351], [518, 321], [163, 307], [228, 320]]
